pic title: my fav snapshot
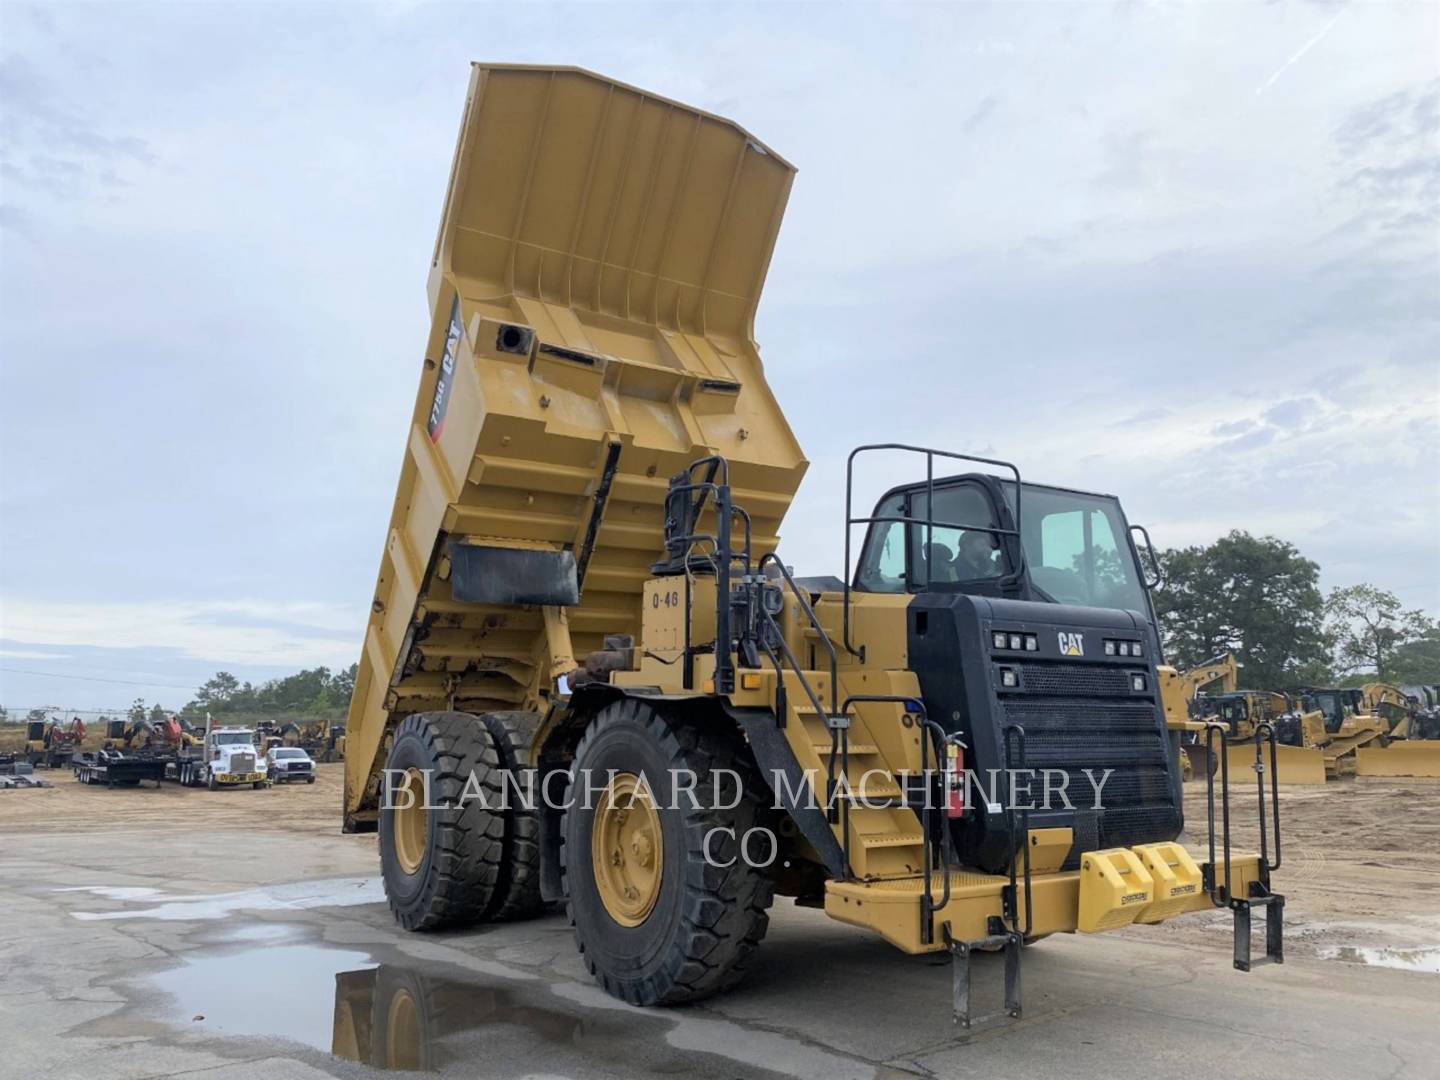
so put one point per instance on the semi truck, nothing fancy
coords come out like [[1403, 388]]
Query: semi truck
[[225, 756], [580, 595]]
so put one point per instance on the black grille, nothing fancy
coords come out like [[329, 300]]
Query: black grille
[[1074, 680], [1071, 736]]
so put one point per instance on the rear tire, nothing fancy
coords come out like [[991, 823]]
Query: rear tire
[[518, 894], [454, 868], [706, 919]]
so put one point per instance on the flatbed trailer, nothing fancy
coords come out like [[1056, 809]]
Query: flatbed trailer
[[113, 768]]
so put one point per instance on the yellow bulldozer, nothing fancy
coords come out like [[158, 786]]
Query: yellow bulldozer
[[1413, 745], [1338, 722], [588, 678], [1209, 694]]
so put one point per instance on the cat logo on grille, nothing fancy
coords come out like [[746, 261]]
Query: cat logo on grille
[[1072, 644]]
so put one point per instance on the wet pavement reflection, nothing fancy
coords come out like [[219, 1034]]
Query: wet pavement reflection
[[399, 1018], [1424, 958], [378, 1007]]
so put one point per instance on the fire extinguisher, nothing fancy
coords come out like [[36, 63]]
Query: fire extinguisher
[[955, 806]]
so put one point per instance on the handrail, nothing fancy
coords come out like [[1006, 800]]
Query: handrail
[[928, 907], [930, 454], [1267, 727], [1219, 896], [771, 557], [1018, 732]]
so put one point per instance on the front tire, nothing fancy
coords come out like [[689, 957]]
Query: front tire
[[441, 864], [657, 921]]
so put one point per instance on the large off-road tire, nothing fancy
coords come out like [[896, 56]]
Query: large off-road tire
[[518, 894], [441, 865], [691, 928]]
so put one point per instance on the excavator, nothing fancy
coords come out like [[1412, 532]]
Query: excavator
[[52, 746], [1180, 692], [580, 597]]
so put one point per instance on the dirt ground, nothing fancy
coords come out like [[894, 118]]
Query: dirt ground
[[69, 805], [1360, 857]]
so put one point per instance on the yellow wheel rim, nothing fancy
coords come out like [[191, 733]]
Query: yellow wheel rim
[[402, 1032], [627, 850], [411, 822]]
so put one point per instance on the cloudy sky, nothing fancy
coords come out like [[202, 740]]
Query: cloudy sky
[[1186, 253]]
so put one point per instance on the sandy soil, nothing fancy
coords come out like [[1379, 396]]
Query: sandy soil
[[1361, 857], [70, 805]]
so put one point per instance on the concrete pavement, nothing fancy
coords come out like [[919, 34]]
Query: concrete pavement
[[131, 954]]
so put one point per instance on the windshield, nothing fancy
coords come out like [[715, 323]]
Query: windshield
[[1076, 548], [289, 753], [232, 738], [1328, 702]]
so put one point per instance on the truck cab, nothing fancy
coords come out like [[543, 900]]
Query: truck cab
[[224, 757], [1029, 609]]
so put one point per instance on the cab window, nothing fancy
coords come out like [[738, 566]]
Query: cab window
[[944, 554], [882, 564]]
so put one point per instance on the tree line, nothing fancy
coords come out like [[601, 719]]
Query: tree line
[[312, 692], [1259, 598]]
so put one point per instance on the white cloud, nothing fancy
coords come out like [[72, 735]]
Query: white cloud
[[237, 632]]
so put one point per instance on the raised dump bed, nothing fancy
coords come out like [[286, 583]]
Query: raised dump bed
[[594, 284]]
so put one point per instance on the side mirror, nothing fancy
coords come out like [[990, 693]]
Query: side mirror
[[1157, 577]]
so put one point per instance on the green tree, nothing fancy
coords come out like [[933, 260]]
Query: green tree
[[1367, 625], [137, 711], [158, 715], [1416, 661], [342, 686], [218, 691], [1257, 597]]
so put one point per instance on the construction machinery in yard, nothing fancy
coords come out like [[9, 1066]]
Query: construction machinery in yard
[[1209, 694], [1243, 712], [1332, 721], [50, 744], [580, 599], [1180, 694], [1413, 745]]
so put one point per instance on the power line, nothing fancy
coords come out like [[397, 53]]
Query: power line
[[92, 678]]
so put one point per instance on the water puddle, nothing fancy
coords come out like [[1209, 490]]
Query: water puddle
[[283, 991], [356, 1003], [182, 907], [1424, 958]]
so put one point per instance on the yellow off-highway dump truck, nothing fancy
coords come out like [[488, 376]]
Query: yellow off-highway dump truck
[[587, 678]]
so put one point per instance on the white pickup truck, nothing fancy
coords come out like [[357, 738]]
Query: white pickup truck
[[225, 757]]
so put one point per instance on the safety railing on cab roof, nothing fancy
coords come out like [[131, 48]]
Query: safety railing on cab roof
[[928, 521]]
